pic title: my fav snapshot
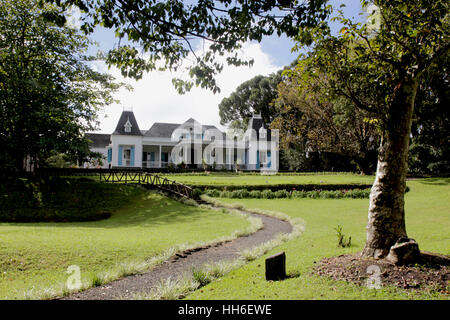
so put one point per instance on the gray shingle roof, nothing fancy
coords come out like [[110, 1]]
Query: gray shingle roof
[[161, 130], [165, 130], [98, 140], [158, 129], [120, 128]]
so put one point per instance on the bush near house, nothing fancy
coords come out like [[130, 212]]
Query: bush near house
[[61, 199], [278, 194], [285, 187]]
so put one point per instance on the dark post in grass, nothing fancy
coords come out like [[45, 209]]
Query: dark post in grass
[[276, 267]]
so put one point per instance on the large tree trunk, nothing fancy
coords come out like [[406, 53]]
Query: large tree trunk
[[386, 222]]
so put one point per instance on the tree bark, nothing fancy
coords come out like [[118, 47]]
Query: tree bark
[[386, 220]]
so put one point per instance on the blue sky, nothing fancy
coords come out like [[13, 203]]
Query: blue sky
[[155, 100]]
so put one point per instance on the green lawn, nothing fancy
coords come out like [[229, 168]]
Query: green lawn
[[258, 179], [35, 256], [428, 221]]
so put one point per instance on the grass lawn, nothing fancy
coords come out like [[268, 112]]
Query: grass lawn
[[427, 219], [258, 179], [34, 257]]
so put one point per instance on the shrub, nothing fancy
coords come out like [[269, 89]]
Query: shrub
[[313, 194], [225, 194], [240, 194], [282, 194], [279, 194], [299, 194], [256, 194], [212, 193], [267, 194], [342, 242], [358, 193], [196, 193]]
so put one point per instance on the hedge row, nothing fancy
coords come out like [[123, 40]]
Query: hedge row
[[286, 187], [269, 194], [59, 199]]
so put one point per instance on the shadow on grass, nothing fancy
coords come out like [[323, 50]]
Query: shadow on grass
[[434, 260], [150, 210], [438, 181]]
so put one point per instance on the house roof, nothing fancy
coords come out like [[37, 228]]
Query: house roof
[[98, 140], [157, 130], [124, 118], [256, 123], [165, 130], [161, 130]]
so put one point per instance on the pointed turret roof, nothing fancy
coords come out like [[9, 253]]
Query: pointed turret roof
[[127, 116], [256, 123]]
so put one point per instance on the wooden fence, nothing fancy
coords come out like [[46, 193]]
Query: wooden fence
[[147, 179]]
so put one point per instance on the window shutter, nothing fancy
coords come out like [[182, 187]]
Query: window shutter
[[132, 156], [257, 159], [120, 155]]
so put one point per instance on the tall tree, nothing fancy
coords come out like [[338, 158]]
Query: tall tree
[[49, 94], [401, 42], [252, 96], [160, 35], [311, 116]]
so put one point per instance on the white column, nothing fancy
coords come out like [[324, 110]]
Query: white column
[[160, 156]]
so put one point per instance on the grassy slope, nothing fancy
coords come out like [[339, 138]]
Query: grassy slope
[[428, 221], [257, 179], [36, 255]]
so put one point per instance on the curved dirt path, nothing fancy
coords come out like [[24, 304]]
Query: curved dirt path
[[183, 262]]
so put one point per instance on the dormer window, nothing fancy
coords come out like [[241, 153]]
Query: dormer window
[[262, 133], [127, 126]]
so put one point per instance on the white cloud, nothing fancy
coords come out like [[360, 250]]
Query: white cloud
[[154, 98]]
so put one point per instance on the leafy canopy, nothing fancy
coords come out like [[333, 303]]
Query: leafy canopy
[[312, 118], [49, 94], [161, 35], [252, 96], [367, 62]]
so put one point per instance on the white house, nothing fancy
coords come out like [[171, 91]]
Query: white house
[[190, 144]]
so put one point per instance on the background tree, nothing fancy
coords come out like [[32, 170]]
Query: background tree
[[430, 143], [252, 96], [160, 35], [49, 94], [315, 120], [391, 55]]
